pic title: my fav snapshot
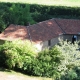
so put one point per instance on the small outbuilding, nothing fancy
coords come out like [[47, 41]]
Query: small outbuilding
[[44, 34]]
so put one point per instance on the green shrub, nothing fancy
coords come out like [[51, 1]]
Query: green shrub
[[46, 63], [15, 54], [22, 55], [70, 75], [61, 62]]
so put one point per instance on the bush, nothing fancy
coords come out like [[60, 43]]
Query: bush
[[70, 53], [19, 55], [46, 63], [15, 54], [70, 75], [69, 68], [60, 62]]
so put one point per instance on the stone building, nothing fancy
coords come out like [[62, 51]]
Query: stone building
[[44, 34]]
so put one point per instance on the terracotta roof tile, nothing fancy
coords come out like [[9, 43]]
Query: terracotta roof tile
[[15, 32], [70, 26], [45, 30], [42, 31]]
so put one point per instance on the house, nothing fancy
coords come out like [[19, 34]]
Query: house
[[44, 34]]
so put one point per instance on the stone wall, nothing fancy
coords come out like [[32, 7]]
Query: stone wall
[[69, 37]]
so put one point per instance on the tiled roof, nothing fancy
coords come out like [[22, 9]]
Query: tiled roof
[[14, 32], [70, 26], [45, 30], [42, 31]]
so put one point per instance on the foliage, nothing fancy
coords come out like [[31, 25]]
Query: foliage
[[14, 13], [46, 63], [70, 75], [2, 25], [60, 62], [20, 14], [38, 17], [69, 68], [70, 53], [14, 54], [60, 10], [53, 11], [22, 55]]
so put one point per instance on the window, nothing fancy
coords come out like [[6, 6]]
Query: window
[[49, 42]]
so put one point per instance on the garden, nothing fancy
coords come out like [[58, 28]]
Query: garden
[[59, 63]]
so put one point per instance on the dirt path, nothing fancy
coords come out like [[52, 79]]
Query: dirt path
[[18, 76], [8, 76]]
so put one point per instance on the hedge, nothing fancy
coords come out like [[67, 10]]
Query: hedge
[[46, 12], [55, 10]]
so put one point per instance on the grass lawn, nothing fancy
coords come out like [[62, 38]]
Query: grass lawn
[[12, 75], [48, 2]]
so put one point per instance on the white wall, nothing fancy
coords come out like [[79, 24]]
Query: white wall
[[43, 45], [56, 40]]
